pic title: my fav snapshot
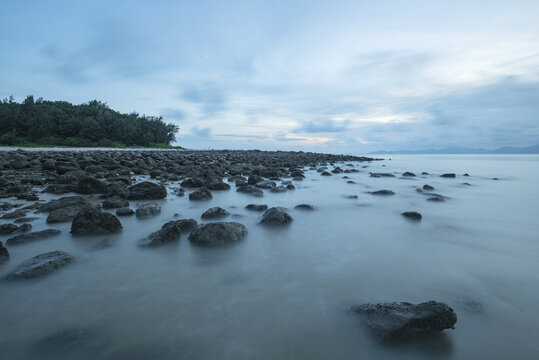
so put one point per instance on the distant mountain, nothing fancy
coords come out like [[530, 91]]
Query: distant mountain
[[461, 150]]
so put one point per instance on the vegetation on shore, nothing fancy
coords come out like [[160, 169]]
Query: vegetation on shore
[[40, 123]]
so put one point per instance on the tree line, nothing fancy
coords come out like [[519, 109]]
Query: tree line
[[60, 123]]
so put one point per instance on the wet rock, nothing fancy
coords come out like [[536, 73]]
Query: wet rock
[[91, 221], [125, 211], [255, 207], [402, 320], [427, 187], [413, 215], [382, 192], [265, 184], [448, 175], [218, 233], [250, 189], [147, 191], [63, 202], [24, 228], [90, 185], [185, 225], [32, 236], [170, 232], [304, 207], [353, 197], [377, 175], [4, 254], [200, 194], [118, 189], [41, 265], [466, 174], [436, 197], [408, 174], [145, 211], [7, 228], [14, 214], [65, 214], [215, 213], [297, 174], [290, 187], [218, 186], [466, 184], [495, 178], [192, 183], [115, 203], [276, 216], [325, 173], [278, 189], [350, 182], [253, 179]]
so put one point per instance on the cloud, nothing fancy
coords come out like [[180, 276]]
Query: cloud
[[171, 113], [208, 96], [201, 132], [321, 126]]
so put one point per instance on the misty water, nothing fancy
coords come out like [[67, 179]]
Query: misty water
[[284, 293]]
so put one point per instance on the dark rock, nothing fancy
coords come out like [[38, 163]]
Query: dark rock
[[436, 199], [381, 175], [449, 175], [215, 213], [304, 207], [65, 214], [7, 228], [125, 211], [41, 265], [427, 187], [118, 189], [325, 173], [278, 189], [185, 225], [192, 183], [265, 184], [33, 236], [24, 228], [408, 174], [218, 186], [276, 216], [4, 254], [200, 194], [14, 214], [255, 207], [297, 174], [466, 174], [91, 221], [414, 215], [253, 179], [168, 233], [290, 187], [217, 233], [495, 178], [353, 197], [63, 202], [250, 189], [147, 191], [402, 320], [90, 185], [382, 192], [115, 203], [350, 182], [145, 211]]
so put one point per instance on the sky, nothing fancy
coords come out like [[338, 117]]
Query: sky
[[331, 76]]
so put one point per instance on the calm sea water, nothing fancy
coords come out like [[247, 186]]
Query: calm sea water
[[284, 293]]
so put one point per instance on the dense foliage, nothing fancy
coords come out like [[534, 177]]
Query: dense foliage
[[93, 124]]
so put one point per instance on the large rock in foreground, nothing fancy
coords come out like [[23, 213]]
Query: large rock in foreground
[[402, 320], [147, 191], [276, 216], [41, 265], [92, 221], [218, 233]]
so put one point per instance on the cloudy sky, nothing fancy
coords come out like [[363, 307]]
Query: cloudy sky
[[334, 76]]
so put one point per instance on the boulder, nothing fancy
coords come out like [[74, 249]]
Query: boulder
[[402, 320], [413, 215], [449, 175], [218, 233], [192, 183], [304, 207], [408, 174], [91, 221], [218, 186], [276, 216], [147, 191], [168, 233], [250, 189], [32, 236], [115, 203], [215, 213], [7, 228], [125, 211], [4, 254], [24, 228], [145, 211], [63, 202], [427, 187], [377, 175], [255, 207], [279, 189], [382, 192], [326, 173], [90, 185], [65, 214], [41, 265], [265, 184], [200, 194], [185, 225], [118, 189]]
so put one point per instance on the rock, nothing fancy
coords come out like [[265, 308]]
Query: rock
[[4, 254], [185, 225], [147, 191], [25, 228], [427, 187], [276, 216], [115, 203], [350, 182], [250, 189], [168, 233], [278, 189], [7, 228], [449, 175], [382, 192], [215, 213], [402, 320], [63, 202], [297, 174], [192, 183], [377, 175], [253, 179], [414, 215], [200, 194], [41, 265], [125, 211], [304, 207], [255, 207], [91, 221], [33, 236], [90, 185], [65, 214], [466, 174], [118, 189], [25, 219], [436, 199], [495, 178], [218, 233], [325, 173], [265, 184], [408, 174], [14, 214], [290, 187], [218, 186], [145, 211]]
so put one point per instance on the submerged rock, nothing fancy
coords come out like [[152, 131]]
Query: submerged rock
[[185, 225], [65, 214], [215, 213], [276, 216], [250, 189], [200, 194], [63, 202], [93, 221], [7, 228], [401, 320], [125, 211], [4, 254], [382, 192], [24, 228], [41, 265], [115, 203], [145, 211], [448, 175], [90, 185], [408, 174], [218, 186], [255, 207], [218, 233], [427, 187], [377, 175], [33, 236], [304, 207], [147, 190], [414, 215], [168, 233]]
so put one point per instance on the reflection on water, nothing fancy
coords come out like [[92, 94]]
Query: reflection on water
[[284, 293]]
